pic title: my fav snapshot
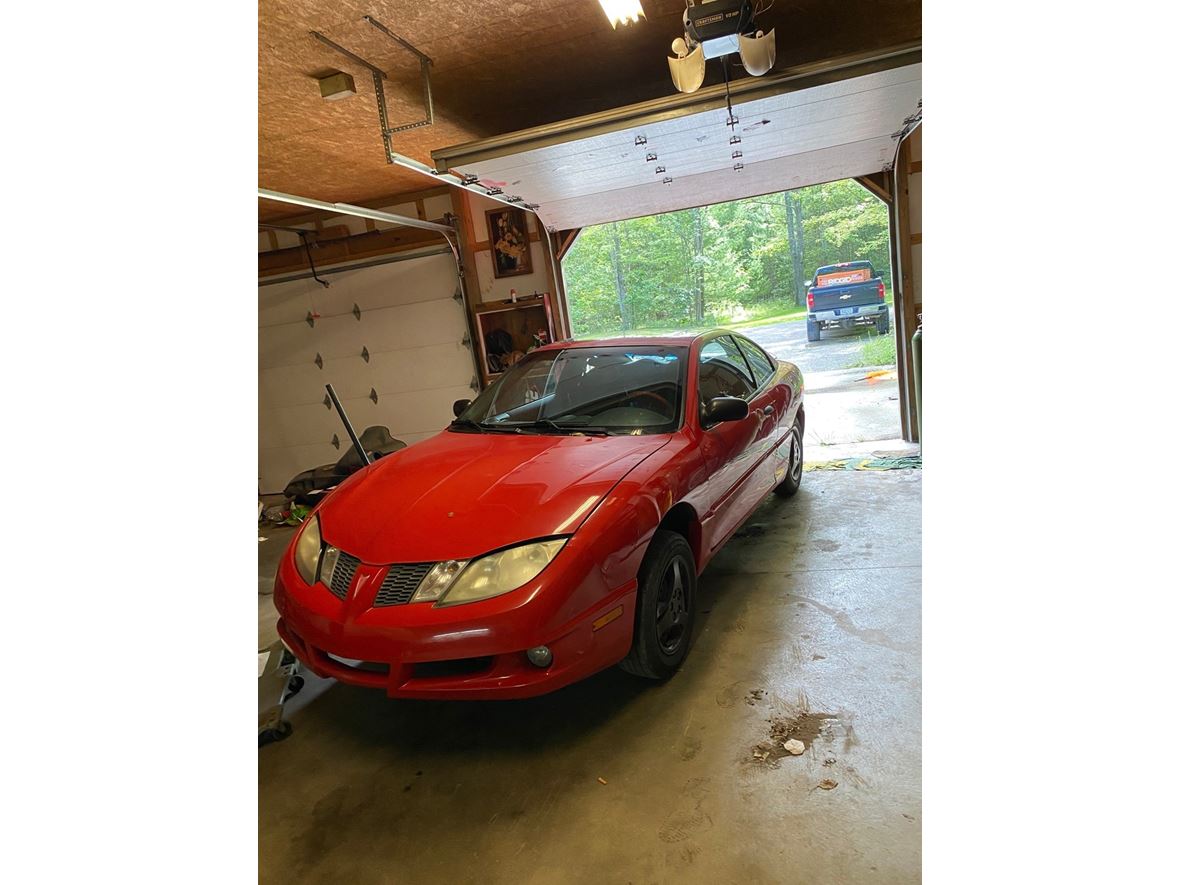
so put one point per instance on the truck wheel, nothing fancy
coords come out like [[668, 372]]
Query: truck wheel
[[883, 324], [812, 331]]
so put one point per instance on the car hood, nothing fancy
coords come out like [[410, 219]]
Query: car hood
[[459, 495]]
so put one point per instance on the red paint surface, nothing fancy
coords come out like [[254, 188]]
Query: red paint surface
[[462, 495]]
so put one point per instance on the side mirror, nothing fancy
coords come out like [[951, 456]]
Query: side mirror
[[460, 406], [725, 408]]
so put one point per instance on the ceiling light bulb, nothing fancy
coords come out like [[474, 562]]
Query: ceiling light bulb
[[622, 11]]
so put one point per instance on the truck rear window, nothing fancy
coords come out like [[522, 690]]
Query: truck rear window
[[843, 276]]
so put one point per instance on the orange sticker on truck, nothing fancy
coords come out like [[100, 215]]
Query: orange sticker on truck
[[842, 277]]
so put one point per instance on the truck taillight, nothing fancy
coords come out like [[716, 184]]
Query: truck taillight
[[880, 291], [810, 300]]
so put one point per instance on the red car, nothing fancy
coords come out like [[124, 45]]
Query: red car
[[555, 528]]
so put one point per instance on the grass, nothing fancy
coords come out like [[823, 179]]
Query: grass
[[877, 350], [793, 313]]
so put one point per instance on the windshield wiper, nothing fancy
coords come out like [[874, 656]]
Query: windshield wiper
[[549, 424], [468, 424]]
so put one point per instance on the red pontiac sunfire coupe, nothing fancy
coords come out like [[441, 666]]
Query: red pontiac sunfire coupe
[[555, 528]]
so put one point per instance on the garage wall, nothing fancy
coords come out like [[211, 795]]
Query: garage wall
[[490, 288], [915, 173], [411, 325]]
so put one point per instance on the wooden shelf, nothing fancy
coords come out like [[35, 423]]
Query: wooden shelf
[[508, 330]]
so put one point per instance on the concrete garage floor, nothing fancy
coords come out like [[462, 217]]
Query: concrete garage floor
[[810, 617]]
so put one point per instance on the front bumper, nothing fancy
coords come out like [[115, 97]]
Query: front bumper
[[839, 314], [472, 651]]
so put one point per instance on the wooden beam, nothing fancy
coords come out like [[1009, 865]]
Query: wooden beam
[[473, 294], [341, 249], [557, 300], [904, 310], [566, 240], [879, 185]]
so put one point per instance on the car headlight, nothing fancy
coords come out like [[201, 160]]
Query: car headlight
[[307, 550], [453, 583]]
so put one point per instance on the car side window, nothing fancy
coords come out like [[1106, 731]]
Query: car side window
[[723, 371], [759, 361]]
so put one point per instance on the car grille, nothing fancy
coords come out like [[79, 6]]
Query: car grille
[[342, 574], [401, 581]]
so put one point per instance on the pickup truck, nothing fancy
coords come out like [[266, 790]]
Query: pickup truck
[[845, 295]]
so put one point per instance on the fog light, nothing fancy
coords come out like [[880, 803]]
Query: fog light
[[540, 656]]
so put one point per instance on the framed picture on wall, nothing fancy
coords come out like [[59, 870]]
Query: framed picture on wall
[[508, 236]]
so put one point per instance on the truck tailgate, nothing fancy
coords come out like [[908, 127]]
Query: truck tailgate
[[835, 297]]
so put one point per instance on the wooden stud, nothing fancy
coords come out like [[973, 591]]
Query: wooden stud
[[462, 203], [879, 185], [336, 251], [905, 311]]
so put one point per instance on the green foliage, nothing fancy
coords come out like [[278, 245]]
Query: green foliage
[[742, 271], [878, 350]]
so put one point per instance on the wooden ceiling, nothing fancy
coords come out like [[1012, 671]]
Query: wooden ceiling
[[498, 67]]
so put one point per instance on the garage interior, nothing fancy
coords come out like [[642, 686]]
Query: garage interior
[[376, 270]]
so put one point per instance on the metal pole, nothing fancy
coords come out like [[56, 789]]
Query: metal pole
[[349, 209], [348, 425]]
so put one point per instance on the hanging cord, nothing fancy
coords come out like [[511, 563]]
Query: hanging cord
[[730, 119], [310, 260]]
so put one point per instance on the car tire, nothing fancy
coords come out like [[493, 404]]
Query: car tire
[[812, 331], [790, 483], [883, 324], [665, 608]]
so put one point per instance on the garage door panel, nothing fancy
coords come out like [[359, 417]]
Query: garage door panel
[[801, 135], [286, 345], [401, 282], [292, 385], [285, 303], [422, 368], [810, 128], [415, 325], [757, 179], [413, 330]]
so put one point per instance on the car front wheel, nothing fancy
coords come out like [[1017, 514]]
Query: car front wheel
[[665, 608]]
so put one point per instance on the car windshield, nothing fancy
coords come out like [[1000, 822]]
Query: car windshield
[[608, 389]]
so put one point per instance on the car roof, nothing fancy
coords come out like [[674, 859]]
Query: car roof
[[683, 339]]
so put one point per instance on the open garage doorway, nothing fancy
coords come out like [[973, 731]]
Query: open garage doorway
[[756, 266]]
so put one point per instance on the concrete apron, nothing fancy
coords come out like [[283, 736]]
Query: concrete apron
[[809, 619]]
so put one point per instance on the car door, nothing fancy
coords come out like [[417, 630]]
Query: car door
[[728, 449], [772, 397]]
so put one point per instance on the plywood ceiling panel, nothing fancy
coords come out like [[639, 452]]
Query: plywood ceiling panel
[[498, 67]]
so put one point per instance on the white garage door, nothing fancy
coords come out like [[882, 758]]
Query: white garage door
[[413, 329], [789, 130]]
